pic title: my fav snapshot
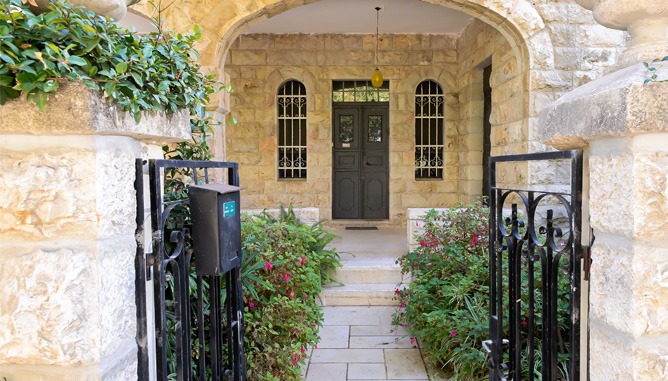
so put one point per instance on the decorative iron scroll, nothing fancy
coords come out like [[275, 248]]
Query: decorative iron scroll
[[184, 314], [429, 99], [292, 130], [535, 276]]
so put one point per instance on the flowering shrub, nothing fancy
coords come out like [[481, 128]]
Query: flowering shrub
[[282, 319], [445, 305]]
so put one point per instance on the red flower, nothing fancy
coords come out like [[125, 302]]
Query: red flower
[[268, 265]]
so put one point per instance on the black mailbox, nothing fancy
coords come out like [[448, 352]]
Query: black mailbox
[[216, 227]]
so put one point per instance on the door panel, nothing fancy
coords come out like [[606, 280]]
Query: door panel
[[346, 194], [361, 161]]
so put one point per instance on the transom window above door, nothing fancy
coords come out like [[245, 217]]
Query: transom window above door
[[360, 91]]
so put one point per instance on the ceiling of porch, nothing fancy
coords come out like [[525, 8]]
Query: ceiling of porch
[[359, 16]]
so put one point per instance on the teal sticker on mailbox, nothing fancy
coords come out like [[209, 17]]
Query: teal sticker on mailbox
[[228, 209]]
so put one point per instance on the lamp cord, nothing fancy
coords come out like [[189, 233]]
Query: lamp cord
[[376, 56]]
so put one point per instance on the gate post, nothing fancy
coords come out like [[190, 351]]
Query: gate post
[[67, 234], [623, 124]]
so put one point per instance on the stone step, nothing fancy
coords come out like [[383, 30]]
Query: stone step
[[360, 294], [352, 273]]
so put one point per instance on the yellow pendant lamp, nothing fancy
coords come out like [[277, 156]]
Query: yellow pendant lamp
[[377, 77]]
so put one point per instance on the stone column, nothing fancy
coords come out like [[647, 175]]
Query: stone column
[[622, 123], [67, 226]]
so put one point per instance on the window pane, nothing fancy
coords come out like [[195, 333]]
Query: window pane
[[375, 128], [292, 131], [346, 128], [429, 137]]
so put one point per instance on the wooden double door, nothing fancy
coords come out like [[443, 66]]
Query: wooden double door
[[361, 161]]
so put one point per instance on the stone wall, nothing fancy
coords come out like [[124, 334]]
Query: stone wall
[[259, 64], [67, 235]]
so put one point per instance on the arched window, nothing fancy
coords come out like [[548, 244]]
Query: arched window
[[429, 130], [292, 130]]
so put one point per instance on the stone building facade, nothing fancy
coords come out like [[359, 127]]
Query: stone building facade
[[67, 222], [257, 64]]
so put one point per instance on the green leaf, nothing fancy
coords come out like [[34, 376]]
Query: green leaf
[[121, 67], [7, 93], [51, 86], [7, 59], [74, 60], [646, 64], [90, 45], [6, 80], [39, 97], [137, 78]]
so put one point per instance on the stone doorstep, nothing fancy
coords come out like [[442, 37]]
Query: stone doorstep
[[352, 273], [361, 294]]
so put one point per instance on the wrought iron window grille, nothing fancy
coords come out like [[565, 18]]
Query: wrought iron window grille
[[292, 131], [429, 100]]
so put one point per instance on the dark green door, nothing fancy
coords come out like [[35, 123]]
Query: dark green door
[[361, 161]]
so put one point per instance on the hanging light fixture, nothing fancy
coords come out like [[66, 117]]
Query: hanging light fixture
[[377, 77]]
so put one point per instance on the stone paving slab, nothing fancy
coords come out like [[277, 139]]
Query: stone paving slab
[[330, 372], [405, 364], [365, 330], [334, 336], [347, 355], [366, 371], [383, 342], [360, 343]]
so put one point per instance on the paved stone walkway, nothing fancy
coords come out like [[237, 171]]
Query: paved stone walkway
[[360, 343]]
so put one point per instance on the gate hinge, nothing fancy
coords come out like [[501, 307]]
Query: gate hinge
[[150, 261], [586, 256]]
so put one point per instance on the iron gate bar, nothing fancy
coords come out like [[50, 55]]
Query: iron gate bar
[[179, 262], [514, 243]]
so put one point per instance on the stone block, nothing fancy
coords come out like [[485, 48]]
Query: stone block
[[78, 110], [610, 355], [248, 57], [117, 316], [48, 194], [49, 298], [116, 196], [597, 58], [599, 36]]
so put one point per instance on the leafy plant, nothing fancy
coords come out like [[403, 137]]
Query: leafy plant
[[446, 302], [651, 69], [284, 320], [157, 72]]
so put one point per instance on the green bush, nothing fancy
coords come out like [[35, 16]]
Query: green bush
[[446, 304], [157, 72], [283, 319]]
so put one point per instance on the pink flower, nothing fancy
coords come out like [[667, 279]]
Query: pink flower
[[287, 277], [396, 291], [524, 322], [304, 259], [454, 333], [416, 224], [268, 265], [474, 240], [422, 243], [251, 305], [412, 340]]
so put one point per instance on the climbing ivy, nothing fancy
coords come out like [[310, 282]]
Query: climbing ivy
[[157, 72], [653, 70]]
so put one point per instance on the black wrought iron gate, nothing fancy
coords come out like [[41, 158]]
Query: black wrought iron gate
[[535, 275], [181, 298]]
